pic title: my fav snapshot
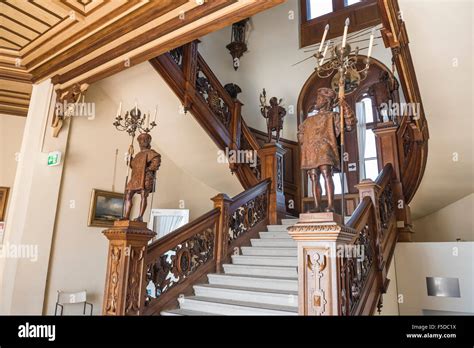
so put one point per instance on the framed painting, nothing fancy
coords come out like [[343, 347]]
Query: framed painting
[[106, 207], [3, 201]]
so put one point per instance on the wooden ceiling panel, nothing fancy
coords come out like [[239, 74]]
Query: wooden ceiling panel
[[39, 13], [28, 20], [7, 44], [19, 28], [12, 37]]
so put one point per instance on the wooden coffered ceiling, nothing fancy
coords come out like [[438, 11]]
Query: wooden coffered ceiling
[[76, 41]]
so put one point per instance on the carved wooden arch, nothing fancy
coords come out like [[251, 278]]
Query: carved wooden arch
[[307, 95]]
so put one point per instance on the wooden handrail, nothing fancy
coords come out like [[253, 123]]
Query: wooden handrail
[[218, 114], [177, 261], [359, 218], [181, 233], [249, 194]]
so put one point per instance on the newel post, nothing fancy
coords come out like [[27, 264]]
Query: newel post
[[271, 157], [319, 237], [368, 188], [221, 201], [388, 152], [124, 291], [236, 130]]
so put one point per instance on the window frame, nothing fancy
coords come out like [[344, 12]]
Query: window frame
[[311, 30]]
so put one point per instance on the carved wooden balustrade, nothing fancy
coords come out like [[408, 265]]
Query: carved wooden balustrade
[[201, 93], [342, 269], [171, 265]]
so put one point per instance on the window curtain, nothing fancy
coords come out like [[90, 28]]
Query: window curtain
[[164, 224], [361, 129]]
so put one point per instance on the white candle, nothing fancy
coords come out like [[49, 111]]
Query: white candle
[[326, 29], [344, 38], [148, 119], [119, 111], [136, 108], [371, 43], [325, 51], [154, 116]]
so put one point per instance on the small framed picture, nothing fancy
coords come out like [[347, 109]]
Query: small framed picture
[[3, 201], [106, 207]]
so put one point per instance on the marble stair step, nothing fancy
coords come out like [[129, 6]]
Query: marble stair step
[[254, 282], [265, 260], [233, 307], [266, 271]]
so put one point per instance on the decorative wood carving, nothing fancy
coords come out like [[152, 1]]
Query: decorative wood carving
[[67, 98], [175, 265], [354, 276], [247, 216], [317, 279], [124, 291]]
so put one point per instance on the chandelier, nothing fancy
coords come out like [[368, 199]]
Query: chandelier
[[343, 60]]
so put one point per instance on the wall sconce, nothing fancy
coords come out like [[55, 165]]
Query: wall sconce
[[238, 46]]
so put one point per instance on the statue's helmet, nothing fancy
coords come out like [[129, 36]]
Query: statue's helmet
[[144, 139], [327, 92]]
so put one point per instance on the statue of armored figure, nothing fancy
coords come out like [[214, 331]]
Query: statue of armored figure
[[319, 136], [274, 114], [142, 179], [385, 92]]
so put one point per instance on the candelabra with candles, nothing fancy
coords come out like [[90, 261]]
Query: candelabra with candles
[[344, 62], [133, 122]]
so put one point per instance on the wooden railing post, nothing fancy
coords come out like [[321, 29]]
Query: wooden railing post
[[318, 237], [190, 52], [221, 201], [368, 188], [124, 292], [271, 157]]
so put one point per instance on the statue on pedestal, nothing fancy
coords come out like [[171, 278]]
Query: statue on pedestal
[[318, 138], [142, 179], [274, 114], [385, 92]]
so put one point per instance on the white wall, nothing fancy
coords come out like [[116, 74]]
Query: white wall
[[441, 36], [447, 224], [11, 134], [416, 261], [390, 298], [89, 164]]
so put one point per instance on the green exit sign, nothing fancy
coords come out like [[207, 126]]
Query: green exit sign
[[54, 158]]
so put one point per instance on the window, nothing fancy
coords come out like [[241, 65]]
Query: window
[[315, 14], [318, 8], [367, 146], [350, 2]]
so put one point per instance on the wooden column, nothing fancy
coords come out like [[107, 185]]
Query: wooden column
[[236, 130], [368, 188], [271, 157], [387, 152], [221, 201], [124, 292], [318, 236], [190, 52]]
